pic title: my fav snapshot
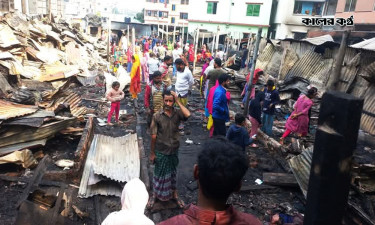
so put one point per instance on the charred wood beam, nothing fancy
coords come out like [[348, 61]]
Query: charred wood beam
[[280, 179], [35, 180], [335, 141]]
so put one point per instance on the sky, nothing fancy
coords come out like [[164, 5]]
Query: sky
[[136, 5]]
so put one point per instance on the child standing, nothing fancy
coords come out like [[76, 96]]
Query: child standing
[[115, 96], [238, 134]]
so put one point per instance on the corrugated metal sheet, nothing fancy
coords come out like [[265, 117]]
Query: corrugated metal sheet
[[273, 67], [74, 101], [17, 134], [289, 59], [319, 40], [368, 115], [20, 146], [305, 66], [349, 70], [301, 47], [86, 190], [367, 45], [301, 166], [117, 158], [11, 110], [4, 85], [265, 57], [85, 81], [321, 73]]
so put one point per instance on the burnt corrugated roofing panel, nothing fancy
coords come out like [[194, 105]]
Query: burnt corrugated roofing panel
[[265, 57], [319, 40], [101, 188], [11, 110], [117, 158], [367, 45], [368, 115], [304, 67], [300, 166], [349, 70], [74, 101], [289, 59]]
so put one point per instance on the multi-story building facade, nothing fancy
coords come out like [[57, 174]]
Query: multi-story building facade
[[233, 17], [167, 12], [287, 16], [363, 12], [33, 7]]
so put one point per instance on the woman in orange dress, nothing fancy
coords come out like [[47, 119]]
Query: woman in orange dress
[[135, 75]]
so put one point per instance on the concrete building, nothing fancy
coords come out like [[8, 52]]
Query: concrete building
[[363, 12], [32, 7], [233, 17], [287, 15], [167, 12]]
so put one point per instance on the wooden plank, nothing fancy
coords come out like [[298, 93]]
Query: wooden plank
[[248, 188], [35, 180], [280, 179]]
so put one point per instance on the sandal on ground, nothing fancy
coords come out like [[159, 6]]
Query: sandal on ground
[[281, 141], [254, 146], [151, 202]]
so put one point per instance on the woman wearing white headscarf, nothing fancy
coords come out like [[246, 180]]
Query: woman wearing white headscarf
[[133, 200]]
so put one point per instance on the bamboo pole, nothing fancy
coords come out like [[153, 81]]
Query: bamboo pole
[[340, 58], [133, 39], [250, 82], [196, 48], [183, 32], [174, 33]]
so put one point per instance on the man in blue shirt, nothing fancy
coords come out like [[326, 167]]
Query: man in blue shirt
[[220, 111], [271, 98]]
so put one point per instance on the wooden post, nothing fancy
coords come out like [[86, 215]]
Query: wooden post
[[249, 49], [167, 35], [108, 38], [24, 6], [213, 46], [182, 36], [250, 83], [133, 39], [217, 39], [335, 141], [128, 35], [203, 39], [50, 10], [174, 33], [195, 49], [340, 58]]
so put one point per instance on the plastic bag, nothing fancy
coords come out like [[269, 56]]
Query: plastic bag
[[210, 122]]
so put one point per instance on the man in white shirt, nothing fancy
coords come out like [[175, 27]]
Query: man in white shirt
[[220, 54], [184, 81], [124, 43], [161, 51], [175, 55], [152, 63]]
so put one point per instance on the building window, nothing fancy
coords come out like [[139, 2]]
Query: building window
[[155, 13], [252, 10], [330, 8], [183, 16], [350, 5], [172, 19], [184, 2], [308, 8], [148, 12], [149, 0], [211, 7], [163, 14], [173, 7]]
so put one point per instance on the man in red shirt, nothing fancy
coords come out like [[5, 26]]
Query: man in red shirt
[[220, 169]]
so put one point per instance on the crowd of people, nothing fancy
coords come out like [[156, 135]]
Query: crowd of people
[[222, 161]]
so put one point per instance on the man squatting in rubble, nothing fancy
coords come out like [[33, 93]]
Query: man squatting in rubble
[[164, 148]]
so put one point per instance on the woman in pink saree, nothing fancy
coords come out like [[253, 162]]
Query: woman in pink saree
[[298, 122]]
